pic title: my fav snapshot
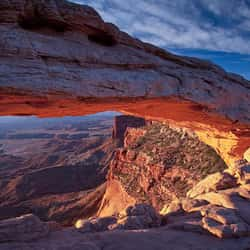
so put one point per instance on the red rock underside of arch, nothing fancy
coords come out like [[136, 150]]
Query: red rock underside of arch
[[229, 138]]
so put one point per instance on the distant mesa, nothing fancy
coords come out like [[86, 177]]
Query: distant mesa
[[121, 123]]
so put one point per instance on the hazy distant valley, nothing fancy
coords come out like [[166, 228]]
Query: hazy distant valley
[[38, 143], [40, 158]]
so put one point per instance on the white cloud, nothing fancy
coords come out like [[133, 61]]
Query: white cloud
[[221, 25]]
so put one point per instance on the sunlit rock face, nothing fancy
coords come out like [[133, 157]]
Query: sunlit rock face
[[158, 164], [60, 58]]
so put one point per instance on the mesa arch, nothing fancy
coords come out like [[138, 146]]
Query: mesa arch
[[231, 140], [63, 59]]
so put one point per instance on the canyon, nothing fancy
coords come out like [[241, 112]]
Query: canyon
[[54, 168], [179, 179], [162, 183]]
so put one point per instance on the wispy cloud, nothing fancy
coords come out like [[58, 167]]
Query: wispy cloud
[[221, 25]]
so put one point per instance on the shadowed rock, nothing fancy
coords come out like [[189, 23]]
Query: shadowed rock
[[122, 122], [140, 216], [24, 228]]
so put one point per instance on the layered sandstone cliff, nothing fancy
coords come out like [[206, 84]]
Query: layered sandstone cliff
[[121, 123]]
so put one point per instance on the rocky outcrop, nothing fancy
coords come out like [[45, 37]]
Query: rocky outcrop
[[140, 216], [214, 182], [93, 225], [221, 210], [218, 208], [159, 164], [69, 48], [206, 202], [87, 43], [24, 228], [121, 123], [247, 155], [241, 170], [224, 222]]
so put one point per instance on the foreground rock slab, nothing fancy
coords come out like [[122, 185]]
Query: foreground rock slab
[[160, 239], [139, 216], [24, 228]]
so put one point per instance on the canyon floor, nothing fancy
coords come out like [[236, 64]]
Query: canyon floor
[[52, 167]]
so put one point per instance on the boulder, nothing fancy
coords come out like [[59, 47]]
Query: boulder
[[139, 210], [221, 215], [140, 216], [193, 205], [95, 224], [175, 207], [225, 231], [213, 182], [24, 228], [236, 198], [242, 172], [225, 199], [136, 222], [188, 222]]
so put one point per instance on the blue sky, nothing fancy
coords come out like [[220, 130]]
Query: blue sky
[[218, 30]]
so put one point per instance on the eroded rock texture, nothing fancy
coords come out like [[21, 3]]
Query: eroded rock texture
[[121, 123], [185, 181], [220, 210], [159, 164], [51, 46], [140, 216]]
